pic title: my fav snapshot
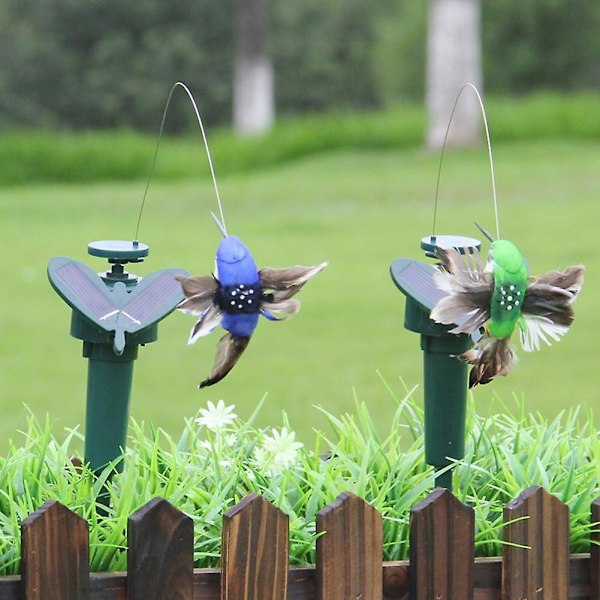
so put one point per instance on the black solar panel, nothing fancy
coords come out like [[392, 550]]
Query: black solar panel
[[154, 294], [115, 308], [415, 279]]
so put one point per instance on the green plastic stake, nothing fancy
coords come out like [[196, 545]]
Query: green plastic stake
[[113, 313], [444, 376]]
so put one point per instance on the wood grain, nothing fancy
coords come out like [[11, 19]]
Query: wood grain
[[55, 554], [160, 559], [539, 569], [441, 548], [254, 555], [349, 554]]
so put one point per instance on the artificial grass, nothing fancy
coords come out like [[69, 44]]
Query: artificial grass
[[213, 464]]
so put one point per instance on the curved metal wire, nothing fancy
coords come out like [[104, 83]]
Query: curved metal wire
[[489, 145], [221, 223]]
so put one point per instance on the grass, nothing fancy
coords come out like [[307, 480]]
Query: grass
[[28, 157], [213, 464], [359, 210]]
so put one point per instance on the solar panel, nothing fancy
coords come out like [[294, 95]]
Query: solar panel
[[415, 279], [154, 293], [117, 308]]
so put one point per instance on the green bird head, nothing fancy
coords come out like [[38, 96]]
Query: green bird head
[[506, 260]]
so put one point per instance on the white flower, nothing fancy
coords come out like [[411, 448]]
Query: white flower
[[228, 440], [278, 452], [217, 417]]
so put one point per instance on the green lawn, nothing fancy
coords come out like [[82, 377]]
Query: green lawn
[[359, 211]]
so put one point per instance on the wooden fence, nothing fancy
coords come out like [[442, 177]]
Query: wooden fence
[[349, 565]]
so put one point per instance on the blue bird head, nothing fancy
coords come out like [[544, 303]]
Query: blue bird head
[[235, 264]]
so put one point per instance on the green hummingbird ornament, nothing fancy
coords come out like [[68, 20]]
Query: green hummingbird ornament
[[497, 299]]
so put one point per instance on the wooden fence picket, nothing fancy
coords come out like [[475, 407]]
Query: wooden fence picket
[[595, 551], [254, 553], [349, 553], [160, 559], [536, 562], [441, 548], [539, 569], [55, 554]]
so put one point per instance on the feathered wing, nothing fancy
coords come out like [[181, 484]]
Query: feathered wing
[[200, 292], [197, 284], [547, 310], [490, 358], [469, 291], [468, 288], [209, 320], [229, 350], [279, 285]]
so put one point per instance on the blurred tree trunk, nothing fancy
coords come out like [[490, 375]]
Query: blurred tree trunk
[[453, 59], [253, 89]]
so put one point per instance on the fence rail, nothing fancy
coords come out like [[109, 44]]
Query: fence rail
[[535, 565]]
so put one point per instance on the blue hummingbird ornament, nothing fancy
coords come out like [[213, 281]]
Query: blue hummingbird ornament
[[235, 297], [238, 293]]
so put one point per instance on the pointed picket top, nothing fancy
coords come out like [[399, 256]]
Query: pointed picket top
[[160, 559], [349, 554], [595, 551], [55, 554], [536, 552], [254, 554], [441, 533]]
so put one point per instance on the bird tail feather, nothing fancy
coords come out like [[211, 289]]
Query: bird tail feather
[[490, 358]]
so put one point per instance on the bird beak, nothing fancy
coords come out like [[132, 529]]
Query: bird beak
[[220, 225], [485, 232]]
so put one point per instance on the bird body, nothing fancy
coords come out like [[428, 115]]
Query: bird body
[[239, 287], [510, 283], [235, 297], [497, 300]]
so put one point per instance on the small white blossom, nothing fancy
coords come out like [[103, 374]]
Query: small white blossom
[[217, 417], [278, 452], [222, 441]]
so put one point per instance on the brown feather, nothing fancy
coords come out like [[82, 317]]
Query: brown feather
[[490, 358], [571, 279], [282, 279], [229, 350], [551, 295], [282, 284], [469, 291], [199, 285], [468, 265], [196, 305], [206, 323], [289, 307]]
